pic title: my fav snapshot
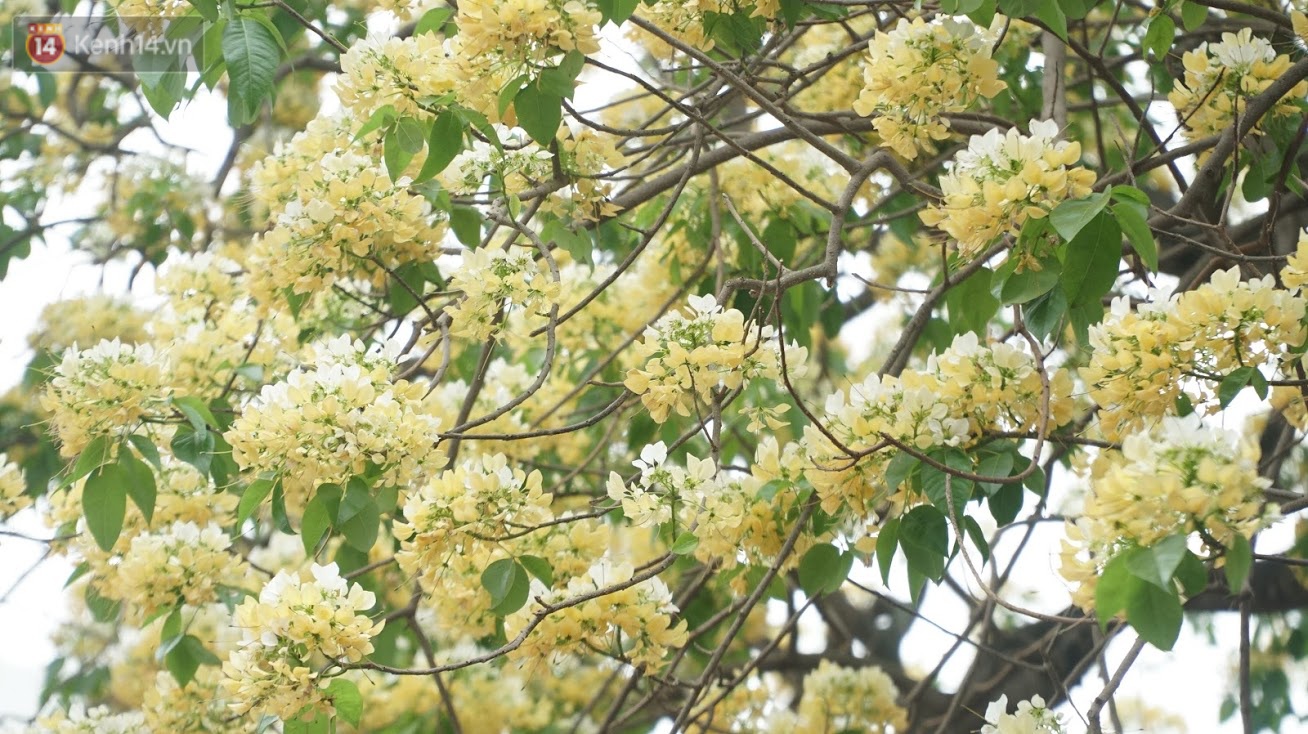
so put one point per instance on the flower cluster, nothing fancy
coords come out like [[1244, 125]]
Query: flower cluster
[[519, 165], [99, 720], [333, 421], [397, 72], [1140, 358], [463, 511], [491, 280], [182, 563], [1004, 179], [291, 632], [685, 357], [1178, 477], [919, 71], [689, 20], [586, 158], [837, 698], [13, 488], [634, 624], [196, 708], [105, 391], [1032, 717], [87, 320], [962, 393], [347, 213], [526, 34], [1221, 77]]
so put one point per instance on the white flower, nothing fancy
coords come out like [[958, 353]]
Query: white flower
[[651, 457]]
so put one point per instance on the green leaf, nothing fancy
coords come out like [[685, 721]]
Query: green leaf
[[1071, 216], [538, 567], [194, 447], [1005, 503], [1259, 384], [887, 539], [1233, 383], [358, 518], [104, 502], [102, 609], [411, 134], [617, 11], [140, 483], [186, 657], [1029, 284], [1158, 562], [997, 465], [1192, 574], [1114, 587], [1093, 257], [561, 80], [383, 117], [539, 113], [781, 240], [1239, 559], [196, 412], [318, 515], [1155, 614], [443, 144], [252, 53], [924, 536], [431, 21], [1193, 15], [1052, 14], [95, 455], [823, 569], [971, 304], [685, 544], [347, 701], [146, 448], [395, 154], [901, 467], [1132, 218], [1158, 39], [466, 223], [978, 538], [507, 583]]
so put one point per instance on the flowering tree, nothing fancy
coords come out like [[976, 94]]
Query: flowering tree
[[543, 366]]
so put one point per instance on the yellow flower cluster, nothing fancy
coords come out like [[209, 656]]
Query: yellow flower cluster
[[182, 563], [685, 357], [492, 280], [1004, 179], [518, 166], [99, 720], [105, 391], [212, 327], [525, 35], [397, 72], [962, 393], [465, 511], [687, 20], [586, 157], [919, 71], [87, 320], [1221, 77], [194, 709], [1295, 273], [1140, 358], [328, 423], [347, 212], [13, 488], [150, 17], [759, 195], [292, 632], [1032, 717], [273, 177], [152, 205], [634, 624], [1178, 477], [839, 699]]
